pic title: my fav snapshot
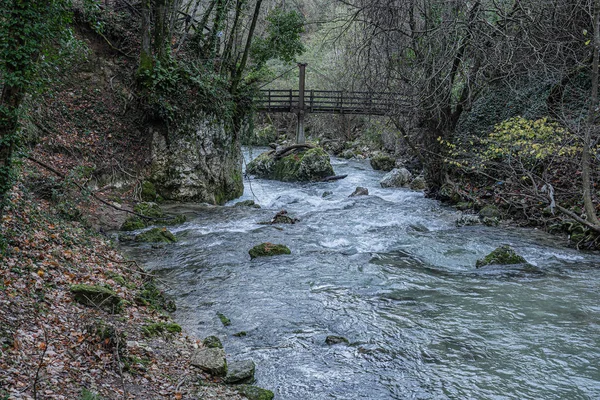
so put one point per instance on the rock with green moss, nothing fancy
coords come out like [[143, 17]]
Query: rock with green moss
[[224, 320], [383, 162], [133, 223], [96, 296], [212, 342], [156, 235], [254, 392], [490, 212], [239, 372], [151, 296], [148, 191], [247, 203], [149, 209], [332, 340], [160, 328], [268, 250], [503, 255], [418, 183], [301, 166]]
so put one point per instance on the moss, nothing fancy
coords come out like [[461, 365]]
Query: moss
[[254, 392], [149, 209], [241, 334], [268, 250], [383, 162], [152, 297], [97, 296], [148, 191], [133, 224], [156, 235], [158, 328], [503, 255], [117, 278], [224, 320], [212, 342], [302, 166]]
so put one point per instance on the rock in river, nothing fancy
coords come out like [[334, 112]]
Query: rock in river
[[302, 165], [332, 339], [210, 360], [268, 249], [383, 162], [360, 191], [503, 255], [396, 178]]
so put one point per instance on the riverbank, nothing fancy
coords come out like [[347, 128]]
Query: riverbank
[[53, 345]]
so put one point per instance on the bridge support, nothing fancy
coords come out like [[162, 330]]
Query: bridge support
[[300, 138]]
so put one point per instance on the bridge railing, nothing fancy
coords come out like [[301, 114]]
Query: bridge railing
[[323, 101]]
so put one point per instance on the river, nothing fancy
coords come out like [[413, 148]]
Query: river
[[392, 273]]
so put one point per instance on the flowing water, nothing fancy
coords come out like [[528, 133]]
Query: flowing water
[[392, 273]]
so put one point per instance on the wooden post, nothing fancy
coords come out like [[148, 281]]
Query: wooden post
[[300, 139]]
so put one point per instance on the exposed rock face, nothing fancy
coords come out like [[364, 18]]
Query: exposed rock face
[[360, 191], [396, 178], [268, 250], [503, 255], [240, 371], [302, 166], [383, 162], [199, 161], [211, 360]]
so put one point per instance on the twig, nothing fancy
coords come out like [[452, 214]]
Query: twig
[[37, 372]]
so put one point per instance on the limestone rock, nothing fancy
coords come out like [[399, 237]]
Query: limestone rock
[[96, 296], [503, 255], [200, 161], [268, 250], [360, 191], [332, 340], [302, 166], [396, 178], [240, 371], [383, 162], [255, 393], [211, 361]]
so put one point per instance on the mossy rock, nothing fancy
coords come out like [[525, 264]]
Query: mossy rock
[[254, 392], [503, 255], [212, 342], [159, 328], [133, 224], [268, 250], [152, 297], [149, 209], [97, 296], [224, 320], [247, 203], [302, 166], [148, 191], [156, 235], [332, 340], [383, 162]]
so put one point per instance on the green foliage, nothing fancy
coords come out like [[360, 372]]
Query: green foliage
[[529, 140], [282, 41]]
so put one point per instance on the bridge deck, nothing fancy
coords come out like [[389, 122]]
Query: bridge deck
[[331, 102]]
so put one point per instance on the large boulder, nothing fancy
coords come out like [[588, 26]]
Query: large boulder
[[211, 361], [396, 178], [383, 162], [240, 371], [503, 255], [360, 191], [198, 160], [297, 166]]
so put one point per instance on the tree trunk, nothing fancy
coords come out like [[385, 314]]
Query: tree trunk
[[146, 62], [238, 75], [590, 210]]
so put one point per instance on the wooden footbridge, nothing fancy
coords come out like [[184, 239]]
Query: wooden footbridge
[[302, 102]]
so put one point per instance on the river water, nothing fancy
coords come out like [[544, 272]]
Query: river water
[[392, 273]]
